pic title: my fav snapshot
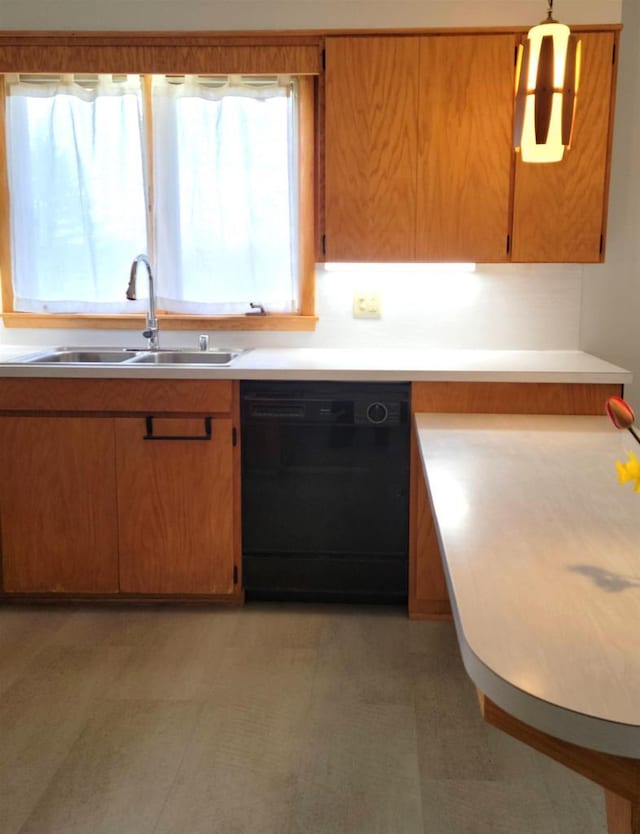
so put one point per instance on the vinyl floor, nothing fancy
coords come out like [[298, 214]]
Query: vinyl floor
[[272, 719]]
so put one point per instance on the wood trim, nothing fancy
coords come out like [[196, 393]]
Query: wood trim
[[237, 483], [612, 113], [305, 321], [200, 38], [122, 396], [320, 110], [150, 196], [5, 229], [69, 321], [123, 599], [306, 196], [150, 54], [623, 816], [511, 397], [617, 774], [258, 36], [428, 595], [462, 30]]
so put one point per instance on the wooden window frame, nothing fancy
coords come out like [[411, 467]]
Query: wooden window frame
[[182, 53]]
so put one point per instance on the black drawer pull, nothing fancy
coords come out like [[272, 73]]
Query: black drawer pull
[[151, 436]]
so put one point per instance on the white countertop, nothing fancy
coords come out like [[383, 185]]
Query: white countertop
[[541, 548], [352, 364]]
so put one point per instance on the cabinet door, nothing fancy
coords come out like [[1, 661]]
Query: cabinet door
[[58, 505], [175, 506], [370, 148], [560, 207], [465, 147]]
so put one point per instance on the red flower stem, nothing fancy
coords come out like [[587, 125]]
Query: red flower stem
[[635, 434]]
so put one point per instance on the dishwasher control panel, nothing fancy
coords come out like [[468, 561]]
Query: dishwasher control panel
[[351, 404]]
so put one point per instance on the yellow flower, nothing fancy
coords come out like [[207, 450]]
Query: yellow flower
[[629, 471]]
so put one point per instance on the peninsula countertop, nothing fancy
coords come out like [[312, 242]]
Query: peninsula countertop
[[349, 364], [541, 550]]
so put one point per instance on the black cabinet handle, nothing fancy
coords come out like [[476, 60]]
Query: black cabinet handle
[[151, 436]]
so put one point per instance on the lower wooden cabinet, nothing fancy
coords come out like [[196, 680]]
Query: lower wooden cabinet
[[120, 504], [175, 505], [58, 513]]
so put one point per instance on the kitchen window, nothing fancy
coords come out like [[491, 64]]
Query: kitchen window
[[210, 174]]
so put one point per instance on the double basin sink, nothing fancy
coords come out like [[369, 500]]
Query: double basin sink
[[129, 356]]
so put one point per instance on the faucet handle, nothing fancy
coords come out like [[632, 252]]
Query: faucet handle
[[204, 342]]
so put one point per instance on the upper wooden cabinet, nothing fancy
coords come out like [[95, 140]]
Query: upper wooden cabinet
[[371, 148], [419, 159], [464, 147], [560, 207], [418, 167]]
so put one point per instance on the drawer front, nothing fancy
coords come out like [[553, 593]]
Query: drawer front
[[117, 395]]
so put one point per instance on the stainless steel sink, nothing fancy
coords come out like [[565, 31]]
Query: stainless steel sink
[[130, 356], [186, 357], [76, 357]]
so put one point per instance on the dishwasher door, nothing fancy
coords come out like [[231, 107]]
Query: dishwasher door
[[325, 491]]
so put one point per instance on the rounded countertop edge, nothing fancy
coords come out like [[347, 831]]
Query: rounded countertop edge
[[588, 731]]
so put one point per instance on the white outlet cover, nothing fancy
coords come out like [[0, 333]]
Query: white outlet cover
[[366, 305]]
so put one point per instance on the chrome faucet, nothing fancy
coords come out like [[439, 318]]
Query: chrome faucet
[[152, 333]]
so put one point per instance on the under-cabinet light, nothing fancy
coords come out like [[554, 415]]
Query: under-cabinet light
[[407, 268], [547, 78]]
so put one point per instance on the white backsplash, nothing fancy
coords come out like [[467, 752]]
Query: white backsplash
[[501, 307], [522, 306]]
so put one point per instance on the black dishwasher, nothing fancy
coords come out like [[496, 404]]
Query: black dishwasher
[[325, 484]]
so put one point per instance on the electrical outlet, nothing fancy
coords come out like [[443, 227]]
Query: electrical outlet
[[366, 305]]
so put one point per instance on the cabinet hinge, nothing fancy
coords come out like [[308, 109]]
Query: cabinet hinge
[[234, 436], [324, 59], [613, 54], [601, 243], [508, 244], [235, 574], [323, 243], [515, 56]]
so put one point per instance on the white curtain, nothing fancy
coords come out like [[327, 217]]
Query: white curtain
[[224, 163], [225, 179], [76, 183]]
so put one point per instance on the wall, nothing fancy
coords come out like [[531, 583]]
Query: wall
[[293, 14], [611, 295], [497, 307]]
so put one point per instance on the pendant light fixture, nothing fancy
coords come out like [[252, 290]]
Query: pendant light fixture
[[547, 77]]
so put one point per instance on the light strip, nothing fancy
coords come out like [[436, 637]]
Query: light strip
[[406, 268]]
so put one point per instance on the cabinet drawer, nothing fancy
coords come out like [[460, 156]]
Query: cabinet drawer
[[117, 395]]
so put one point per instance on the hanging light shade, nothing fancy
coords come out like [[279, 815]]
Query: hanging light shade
[[547, 78]]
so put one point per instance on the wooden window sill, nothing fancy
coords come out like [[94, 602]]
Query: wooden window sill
[[167, 322]]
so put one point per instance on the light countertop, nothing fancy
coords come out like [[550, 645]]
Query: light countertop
[[352, 364], [541, 548]]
